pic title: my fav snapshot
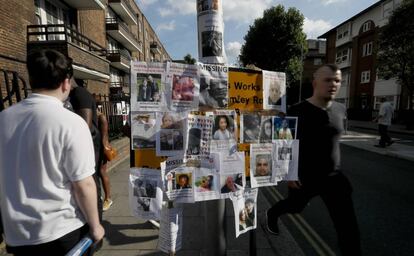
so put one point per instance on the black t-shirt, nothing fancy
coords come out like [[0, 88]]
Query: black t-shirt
[[81, 98], [319, 132]]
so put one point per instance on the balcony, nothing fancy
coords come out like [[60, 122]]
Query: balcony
[[86, 4], [120, 32], [120, 60], [155, 48], [124, 10], [88, 57]]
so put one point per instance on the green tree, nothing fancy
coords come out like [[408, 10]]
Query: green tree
[[396, 48], [188, 59], [276, 42]]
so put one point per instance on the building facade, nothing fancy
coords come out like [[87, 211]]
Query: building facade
[[351, 45], [101, 37], [314, 58]]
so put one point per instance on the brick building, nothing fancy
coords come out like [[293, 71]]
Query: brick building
[[101, 36], [351, 46], [314, 58]]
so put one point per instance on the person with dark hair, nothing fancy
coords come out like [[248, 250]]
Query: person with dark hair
[[250, 125], [47, 191], [84, 105], [249, 206], [263, 165], [183, 181], [222, 133], [265, 134], [320, 124]]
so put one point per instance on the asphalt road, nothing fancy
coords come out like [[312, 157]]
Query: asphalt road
[[384, 205], [406, 139]]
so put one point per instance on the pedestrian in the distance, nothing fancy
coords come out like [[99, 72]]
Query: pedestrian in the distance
[[47, 193], [384, 121], [320, 124]]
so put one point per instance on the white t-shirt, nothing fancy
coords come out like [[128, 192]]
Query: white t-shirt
[[386, 111], [220, 135], [43, 149]]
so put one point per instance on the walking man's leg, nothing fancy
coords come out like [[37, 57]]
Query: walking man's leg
[[338, 199], [295, 202]]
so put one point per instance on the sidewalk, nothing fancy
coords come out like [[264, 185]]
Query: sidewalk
[[127, 235], [396, 128], [367, 142]]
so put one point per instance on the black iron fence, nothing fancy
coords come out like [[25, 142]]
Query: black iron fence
[[13, 88]]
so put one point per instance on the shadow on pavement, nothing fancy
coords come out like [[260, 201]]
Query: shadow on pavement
[[116, 237]]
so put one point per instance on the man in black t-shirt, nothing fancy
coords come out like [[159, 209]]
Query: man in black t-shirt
[[320, 124], [84, 104]]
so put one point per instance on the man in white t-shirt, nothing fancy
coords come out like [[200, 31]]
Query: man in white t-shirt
[[47, 193], [384, 121]]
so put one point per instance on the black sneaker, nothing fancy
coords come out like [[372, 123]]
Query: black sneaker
[[271, 225], [379, 146]]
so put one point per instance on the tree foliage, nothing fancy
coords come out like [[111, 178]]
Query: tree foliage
[[188, 59], [396, 48], [276, 42]]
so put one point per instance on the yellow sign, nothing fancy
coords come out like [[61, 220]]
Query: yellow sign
[[245, 89]]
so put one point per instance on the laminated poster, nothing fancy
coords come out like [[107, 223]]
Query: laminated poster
[[171, 229], [224, 131], [210, 32], [213, 86], [199, 136], [171, 136], [178, 180], [231, 169], [147, 86], [145, 193], [285, 160], [245, 210], [143, 130], [261, 165], [182, 92], [274, 90], [284, 128]]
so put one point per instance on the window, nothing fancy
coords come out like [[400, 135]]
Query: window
[[140, 26], [365, 76], [367, 49], [317, 61], [342, 32], [342, 56], [366, 26]]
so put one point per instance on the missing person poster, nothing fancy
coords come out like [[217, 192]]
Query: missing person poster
[[224, 131], [245, 210], [284, 128], [210, 32], [213, 86], [147, 86], [206, 184], [171, 230], [199, 136], [274, 90], [171, 136], [145, 193], [261, 165], [182, 92], [178, 180], [231, 169], [266, 129], [285, 160], [143, 130], [249, 123]]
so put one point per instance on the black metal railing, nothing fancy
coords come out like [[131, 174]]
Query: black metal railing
[[119, 52], [62, 32], [118, 84], [13, 88], [114, 117], [121, 24]]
